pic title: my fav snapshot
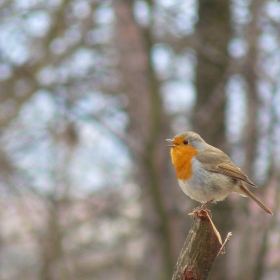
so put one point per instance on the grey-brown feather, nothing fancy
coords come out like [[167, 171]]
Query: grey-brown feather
[[215, 160]]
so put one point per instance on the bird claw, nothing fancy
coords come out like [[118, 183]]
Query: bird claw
[[204, 205], [202, 208]]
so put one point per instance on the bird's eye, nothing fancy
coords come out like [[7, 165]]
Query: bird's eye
[[186, 142]]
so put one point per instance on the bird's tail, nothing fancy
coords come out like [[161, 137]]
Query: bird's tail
[[249, 194]]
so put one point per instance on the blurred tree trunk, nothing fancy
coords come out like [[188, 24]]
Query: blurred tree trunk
[[51, 247], [251, 78], [213, 34], [250, 70], [149, 126]]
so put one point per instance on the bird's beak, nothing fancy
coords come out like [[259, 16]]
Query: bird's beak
[[172, 144]]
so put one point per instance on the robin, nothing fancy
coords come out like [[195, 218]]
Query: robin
[[205, 173]]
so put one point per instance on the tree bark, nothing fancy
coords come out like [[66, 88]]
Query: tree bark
[[201, 248]]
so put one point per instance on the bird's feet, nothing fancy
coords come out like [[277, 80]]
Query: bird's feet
[[202, 207]]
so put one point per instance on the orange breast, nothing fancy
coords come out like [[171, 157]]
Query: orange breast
[[181, 159]]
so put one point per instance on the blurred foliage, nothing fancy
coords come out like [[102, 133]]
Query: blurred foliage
[[89, 91]]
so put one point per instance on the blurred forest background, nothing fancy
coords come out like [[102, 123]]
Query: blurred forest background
[[89, 92]]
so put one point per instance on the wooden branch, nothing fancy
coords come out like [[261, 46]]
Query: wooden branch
[[201, 248]]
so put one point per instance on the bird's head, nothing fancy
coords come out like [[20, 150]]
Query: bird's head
[[186, 142]]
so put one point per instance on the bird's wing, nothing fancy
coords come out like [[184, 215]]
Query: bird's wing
[[214, 160], [234, 172]]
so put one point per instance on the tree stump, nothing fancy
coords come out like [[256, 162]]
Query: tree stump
[[202, 247]]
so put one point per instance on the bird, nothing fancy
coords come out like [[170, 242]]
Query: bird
[[205, 173]]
